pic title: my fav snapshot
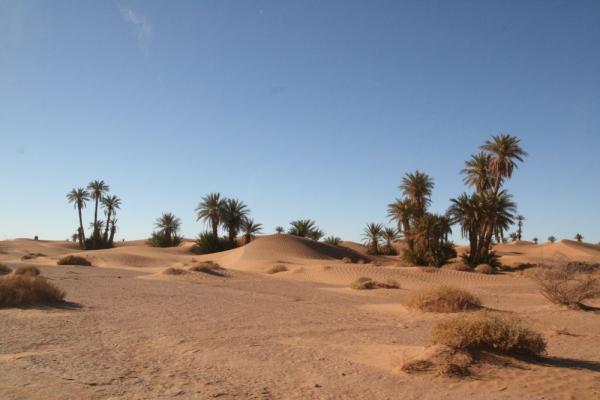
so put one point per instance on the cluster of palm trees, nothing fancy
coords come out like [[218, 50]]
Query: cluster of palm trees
[[230, 214], [489, 211], [425, 233], [103, 232], [380, 239]]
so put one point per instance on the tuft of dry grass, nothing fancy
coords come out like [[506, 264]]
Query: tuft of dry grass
[[275, 269], [5, 269], [567, 285], [30, 256], [74, 260], [484, 331], [365, 283], [209, 267], [27, 270], [22, 290], [441, 359], [443, 299], [346, 260], [174, 271], [484, 269]]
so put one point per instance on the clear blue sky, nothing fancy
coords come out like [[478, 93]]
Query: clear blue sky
[[304, 109]]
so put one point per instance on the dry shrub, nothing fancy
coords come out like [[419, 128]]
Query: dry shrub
[[488, 332], [441, 359], [365, 283], [74, 260], [484, 269], [21, 290], [566, 284], [346, 260], [27, 270], [443, 299], [30, 256], [277, 268], [209, 267], [174, 271], [5, 269]]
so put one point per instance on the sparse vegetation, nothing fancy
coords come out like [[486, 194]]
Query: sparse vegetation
[[5, 269], [31, 256], [365, 283], [484, 331], [579, 237], [275, 269], [443, 299], [24, 290], [209, 267], [174, 271], [27, 270], [551, 239], [74, 260], [567, 284], [206, 244], [484, 269]]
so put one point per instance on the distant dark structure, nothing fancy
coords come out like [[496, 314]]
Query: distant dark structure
[[35, 237]]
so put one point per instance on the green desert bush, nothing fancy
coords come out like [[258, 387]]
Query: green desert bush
[[159, 239], [484, 269], [206, 243], [443, 299], [565, 284], [4, 269], [209, 267], [174, 271], [74, 260], [27, 270], [277, 268], [488, 332], [365, 283], [22, 290]]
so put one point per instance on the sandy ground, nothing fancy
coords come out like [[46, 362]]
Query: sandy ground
[[131, 332]]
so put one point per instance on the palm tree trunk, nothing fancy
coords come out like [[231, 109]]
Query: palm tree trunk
[[215, 228], [112, 234], [107, 224], [81, 231], [95, 234]]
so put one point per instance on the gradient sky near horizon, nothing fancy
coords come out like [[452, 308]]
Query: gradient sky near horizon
[[304, 109]]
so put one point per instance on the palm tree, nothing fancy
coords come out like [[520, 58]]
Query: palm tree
[[250, 229], [514, 236], [74, 237], [210, 210], [417, 187], [505, 151], [401, 211], [79, 197], [168, 224], [478, 173], [551, 239], [333, 240], [302, 227], [579, 237], [233, 214], [372, 234], [97, 189], [390, 235], [279, 230], [113, 230], [315, 234], [111, 204], [535, 240], [520, 220]]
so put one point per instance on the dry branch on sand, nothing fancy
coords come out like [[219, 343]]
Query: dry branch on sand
[[567, 284], [74, 260], [21, 290], [443, 299]]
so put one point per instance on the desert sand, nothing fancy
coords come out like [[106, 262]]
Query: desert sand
[[129, 331]]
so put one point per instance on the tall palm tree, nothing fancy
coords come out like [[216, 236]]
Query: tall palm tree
[[402, 212], [302, 227], [551, 239], [233, 214], [111, 204], [505, 151], [250, 229], [478, 172], [417, 187], [279, 230], [210, 210], [519, 219], [372, 236], [579, 237], [390, 235], [97, 189], [79, 197], [168, 224]]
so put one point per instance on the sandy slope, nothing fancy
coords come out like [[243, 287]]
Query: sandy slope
[[135, 333]]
